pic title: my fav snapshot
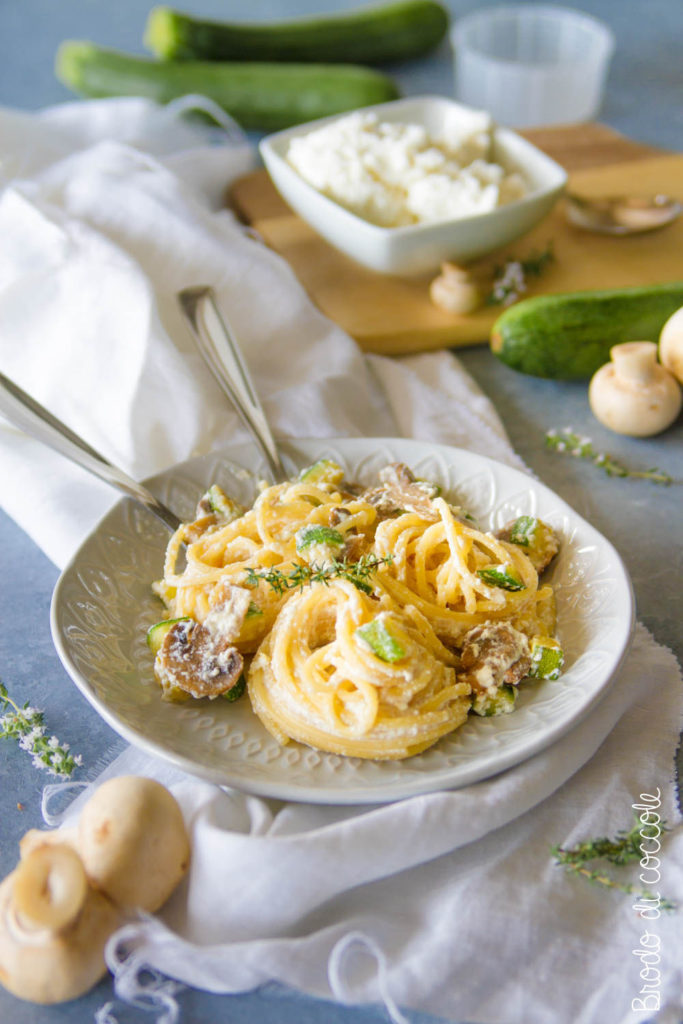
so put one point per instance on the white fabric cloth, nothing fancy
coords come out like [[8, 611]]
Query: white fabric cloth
[[451, 898]]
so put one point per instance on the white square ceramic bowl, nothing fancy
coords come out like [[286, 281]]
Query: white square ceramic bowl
[[420, 248]]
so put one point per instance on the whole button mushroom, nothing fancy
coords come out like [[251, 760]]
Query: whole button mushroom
[[53, 927], [671, 345], [133, 841], [633, 394], [73, 887]]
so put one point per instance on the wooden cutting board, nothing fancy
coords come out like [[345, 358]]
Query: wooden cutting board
[[393, 315]]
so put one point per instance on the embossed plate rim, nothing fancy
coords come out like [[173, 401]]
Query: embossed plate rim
[[499, 743]]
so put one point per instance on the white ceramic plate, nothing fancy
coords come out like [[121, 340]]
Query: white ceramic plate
[[103, 605]]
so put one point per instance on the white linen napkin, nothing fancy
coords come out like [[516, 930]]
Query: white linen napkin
[[449, 902]]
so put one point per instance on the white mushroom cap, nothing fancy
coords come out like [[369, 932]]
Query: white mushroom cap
[[133, 841], [671, 344]]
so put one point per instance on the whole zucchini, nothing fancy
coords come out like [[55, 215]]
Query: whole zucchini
[[260, 96], [367, 35], [569, 336]]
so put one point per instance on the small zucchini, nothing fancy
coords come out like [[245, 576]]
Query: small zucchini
[[259, 96], [366, 35], [569, 336]]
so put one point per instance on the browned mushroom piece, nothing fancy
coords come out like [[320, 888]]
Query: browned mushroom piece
[[493, 654], [400, 492], [201, 661]]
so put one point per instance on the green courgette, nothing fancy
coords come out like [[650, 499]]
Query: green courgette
[[367, 35], [260, 96], [569, 336]]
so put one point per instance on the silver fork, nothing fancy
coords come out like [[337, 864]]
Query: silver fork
[[225, 360], [34, 419]]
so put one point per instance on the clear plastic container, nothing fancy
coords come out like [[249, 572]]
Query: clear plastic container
[[532, 65]]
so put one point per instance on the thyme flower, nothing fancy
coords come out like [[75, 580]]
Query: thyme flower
[[26, 725], [570, 443], [510, 279]]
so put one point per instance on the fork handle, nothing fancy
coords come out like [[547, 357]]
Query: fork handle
[[30, 416], [227, 364]]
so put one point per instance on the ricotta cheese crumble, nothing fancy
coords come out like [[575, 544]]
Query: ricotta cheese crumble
[[394, 174]]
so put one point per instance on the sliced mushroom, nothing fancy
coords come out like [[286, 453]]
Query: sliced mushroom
[[493, 654], [400, 492], [198, 660]]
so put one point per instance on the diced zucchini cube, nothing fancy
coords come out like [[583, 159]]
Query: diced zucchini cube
[[236, 691], [324, 471], [318, 534], [502, 702], [547, 658], [381, 641], [523, 530]]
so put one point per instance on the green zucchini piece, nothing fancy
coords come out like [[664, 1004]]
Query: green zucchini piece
[[569, 336], [223, 506], [253, 610], [157, 633], [547, 658], [315, 534], [502, 576], [236, 691], [259, 96], [523, 530], [501, 703], [381, 641], [367, 35], [324, 471]]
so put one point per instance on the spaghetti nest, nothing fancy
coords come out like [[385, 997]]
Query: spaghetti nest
[[354, 675], [370, 621], [460, 577]]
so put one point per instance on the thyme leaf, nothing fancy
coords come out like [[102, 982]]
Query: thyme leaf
[[300, 574], [625, 848]]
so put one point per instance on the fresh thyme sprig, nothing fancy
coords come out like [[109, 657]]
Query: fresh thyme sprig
[[300, 574], [623, 849], [510, 279], [26, 725], [570, 443]]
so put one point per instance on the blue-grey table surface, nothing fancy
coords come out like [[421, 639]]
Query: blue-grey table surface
[[644, 100]]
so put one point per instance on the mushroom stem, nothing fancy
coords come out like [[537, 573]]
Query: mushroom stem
[[635, 361], [50, 887]]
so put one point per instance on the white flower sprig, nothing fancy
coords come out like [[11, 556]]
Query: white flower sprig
[[25, 725], [510, 280], [570, 443]]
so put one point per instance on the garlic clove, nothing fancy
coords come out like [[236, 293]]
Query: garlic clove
[[671, 344], [633, 394]]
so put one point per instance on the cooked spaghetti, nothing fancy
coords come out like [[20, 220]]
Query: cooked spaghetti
[[372, 620]]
